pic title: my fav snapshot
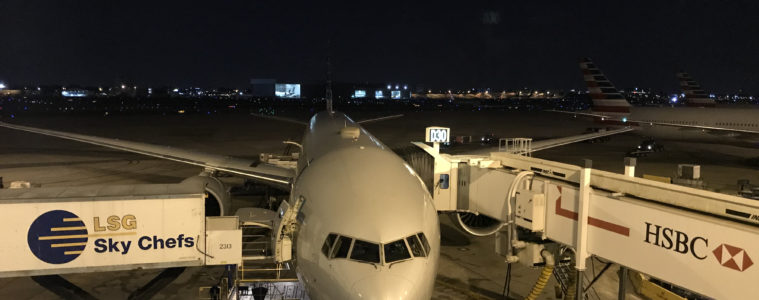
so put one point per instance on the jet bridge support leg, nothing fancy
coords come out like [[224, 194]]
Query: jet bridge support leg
[[581, 253], [630, 163]]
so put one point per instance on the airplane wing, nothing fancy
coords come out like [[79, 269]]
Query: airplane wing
[[289, 120], [551, 143], [379, 119], [630, 121], [283, 119], [275, 176], [580, 113]]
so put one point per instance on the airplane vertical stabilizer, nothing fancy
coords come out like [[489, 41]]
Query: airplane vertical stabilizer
[[694, 94], [606, 98]]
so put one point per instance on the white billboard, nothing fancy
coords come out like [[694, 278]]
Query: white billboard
[[287, 90], [76, 236], [395, 94], [359, 94]]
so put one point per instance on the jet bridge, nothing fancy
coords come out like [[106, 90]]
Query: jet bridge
[[696, 239]]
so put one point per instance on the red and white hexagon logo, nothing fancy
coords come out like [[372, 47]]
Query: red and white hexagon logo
[[732, 257]]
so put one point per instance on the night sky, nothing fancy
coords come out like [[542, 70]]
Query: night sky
[[500, 44]]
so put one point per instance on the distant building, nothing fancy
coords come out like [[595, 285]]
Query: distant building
[[379, 91], [262, 87], [341, 91]]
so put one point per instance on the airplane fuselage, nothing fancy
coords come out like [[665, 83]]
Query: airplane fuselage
[[358, 190], [732, 118]]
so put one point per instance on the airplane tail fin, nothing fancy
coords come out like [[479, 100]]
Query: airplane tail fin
[[606, 98], [694, 94]]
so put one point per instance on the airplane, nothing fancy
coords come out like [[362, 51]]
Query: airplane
[[368, 226], [699, 122]]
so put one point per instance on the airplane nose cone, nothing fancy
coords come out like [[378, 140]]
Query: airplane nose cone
[[384, 287]]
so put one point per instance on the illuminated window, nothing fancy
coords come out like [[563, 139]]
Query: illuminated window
[[379, 95]]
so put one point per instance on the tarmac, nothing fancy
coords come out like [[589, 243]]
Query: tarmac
[[469, 267]]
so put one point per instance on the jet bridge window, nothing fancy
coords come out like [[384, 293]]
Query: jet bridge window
[[328, 243], [365, 252], [396, 251]]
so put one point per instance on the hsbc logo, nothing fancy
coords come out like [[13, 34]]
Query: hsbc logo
[[732, 257], [728, 256]]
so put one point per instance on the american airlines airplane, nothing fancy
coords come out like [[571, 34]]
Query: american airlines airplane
[[368, 226], [699, 122]]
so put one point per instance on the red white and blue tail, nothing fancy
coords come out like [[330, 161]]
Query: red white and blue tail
[[606, 98], [694, 94]]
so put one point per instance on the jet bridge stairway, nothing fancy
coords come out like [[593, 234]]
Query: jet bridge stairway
[[700, 240], [267, 268]]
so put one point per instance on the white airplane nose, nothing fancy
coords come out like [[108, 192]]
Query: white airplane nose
[[384, 287]]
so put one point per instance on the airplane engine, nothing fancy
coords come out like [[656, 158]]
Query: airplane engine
[[218, 201], [477, 225]]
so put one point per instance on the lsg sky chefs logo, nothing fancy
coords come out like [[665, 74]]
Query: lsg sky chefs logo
[[60, 236], [57, 237]]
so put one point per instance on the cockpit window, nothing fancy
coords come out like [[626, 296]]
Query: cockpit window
[[396, 251], [425, 243], [338, 246], [416, 246], [328, 243], [342, 247], [365, 251]]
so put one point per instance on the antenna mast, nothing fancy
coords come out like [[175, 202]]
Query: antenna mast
[[329, 86]]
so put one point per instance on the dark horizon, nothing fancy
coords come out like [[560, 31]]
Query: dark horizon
[[481, 44]]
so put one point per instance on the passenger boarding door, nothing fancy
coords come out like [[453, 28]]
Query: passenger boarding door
[[284, 228]]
